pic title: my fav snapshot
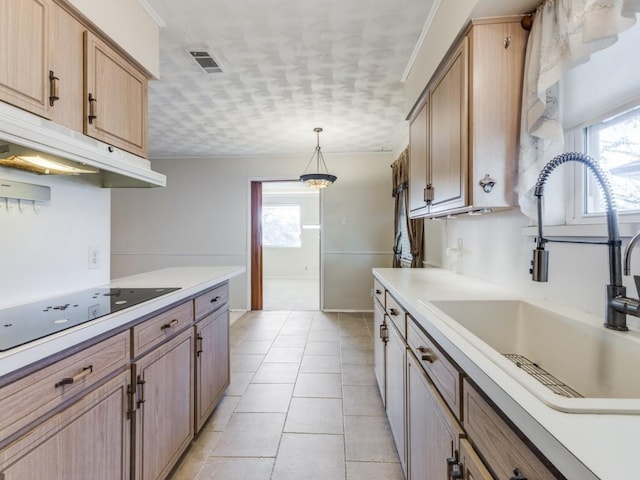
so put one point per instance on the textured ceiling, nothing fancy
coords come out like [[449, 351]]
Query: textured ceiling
[[289, 66]]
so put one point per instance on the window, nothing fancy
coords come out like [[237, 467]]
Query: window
[[615, 144], [281, 226]]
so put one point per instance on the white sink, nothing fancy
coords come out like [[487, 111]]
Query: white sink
[[599, 364]]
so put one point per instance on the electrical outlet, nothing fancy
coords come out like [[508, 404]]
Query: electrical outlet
[[94, 257]]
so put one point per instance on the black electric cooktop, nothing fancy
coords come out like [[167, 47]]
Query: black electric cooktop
[[25, 323]]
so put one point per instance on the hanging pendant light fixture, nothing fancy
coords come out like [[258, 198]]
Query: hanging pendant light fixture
[[320, 179]]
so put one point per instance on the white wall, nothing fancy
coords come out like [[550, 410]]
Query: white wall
[[202, 216], [46, 253]]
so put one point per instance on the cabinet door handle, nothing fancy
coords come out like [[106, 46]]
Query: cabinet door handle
[[92, 108], [215, 299], [378, 292], [171, 324], [76, 378], [385, 333], [53, 88], [199, 349], [457, 471], [140, 382], [517, 475], [393, 312]]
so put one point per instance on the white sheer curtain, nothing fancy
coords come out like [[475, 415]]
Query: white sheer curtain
[[564, 33]]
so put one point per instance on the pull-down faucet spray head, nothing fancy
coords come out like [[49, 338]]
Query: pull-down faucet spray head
[[617, 304]]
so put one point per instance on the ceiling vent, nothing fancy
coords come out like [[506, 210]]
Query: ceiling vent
[[206, 61]]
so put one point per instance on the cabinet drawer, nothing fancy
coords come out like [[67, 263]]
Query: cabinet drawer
[[441, 371], [157, 329], [396, 314], [472, 466], [39, 393], [378, 292], [499, 445], [212, 300]]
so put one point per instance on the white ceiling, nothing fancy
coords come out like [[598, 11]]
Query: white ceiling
[[289, 66]]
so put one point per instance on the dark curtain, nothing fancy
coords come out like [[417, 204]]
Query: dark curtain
[[415, 227]]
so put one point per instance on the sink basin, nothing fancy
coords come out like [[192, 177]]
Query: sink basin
[[595, 365]]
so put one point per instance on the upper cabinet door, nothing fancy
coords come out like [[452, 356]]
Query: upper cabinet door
[[66, 77], [448, 139], [418, 151], [115, 98], [24, 54]]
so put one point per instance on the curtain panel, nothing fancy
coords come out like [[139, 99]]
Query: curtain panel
[[415, 227], [564, 34]]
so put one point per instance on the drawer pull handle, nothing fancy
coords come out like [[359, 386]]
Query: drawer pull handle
[[517, 475], [426, 356], [92, 108], [378, 292], [393, 312], [77, 377], [171, 324], [215, 299]]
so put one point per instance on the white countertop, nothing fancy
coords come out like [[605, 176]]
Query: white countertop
[[582, 446], [191, 280]]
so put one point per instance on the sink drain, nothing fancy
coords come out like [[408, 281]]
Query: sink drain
[[542, 376]]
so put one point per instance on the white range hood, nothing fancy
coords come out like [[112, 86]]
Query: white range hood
[[116, 168]]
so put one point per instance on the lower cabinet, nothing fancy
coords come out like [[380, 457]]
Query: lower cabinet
[[380, 333], [443, 426], [396, 361], [88, 440], [164, 406], [433, 434], [212, 363]]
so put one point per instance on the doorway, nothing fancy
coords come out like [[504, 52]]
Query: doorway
[[285, 250]]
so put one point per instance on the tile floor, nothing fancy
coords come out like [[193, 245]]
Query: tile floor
[[302, 405]]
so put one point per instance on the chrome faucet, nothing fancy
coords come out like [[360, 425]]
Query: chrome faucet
[[618, 305]]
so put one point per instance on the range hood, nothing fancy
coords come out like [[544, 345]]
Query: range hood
[[23, 134]]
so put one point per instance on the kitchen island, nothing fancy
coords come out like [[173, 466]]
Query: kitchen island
[[581, 446], [121, 396]]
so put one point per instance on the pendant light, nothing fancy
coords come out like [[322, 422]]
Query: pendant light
[[319, 179]]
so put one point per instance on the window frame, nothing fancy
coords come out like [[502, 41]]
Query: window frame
[[577, 140]]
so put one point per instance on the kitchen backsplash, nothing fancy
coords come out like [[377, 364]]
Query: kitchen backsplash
[[46, 251]]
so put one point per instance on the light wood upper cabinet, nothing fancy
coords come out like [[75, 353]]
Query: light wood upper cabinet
[[24, 50], [88, 440], [115, 98], [418, 151], [448, 148], [52, 62], [66, 70], [470, 116]]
